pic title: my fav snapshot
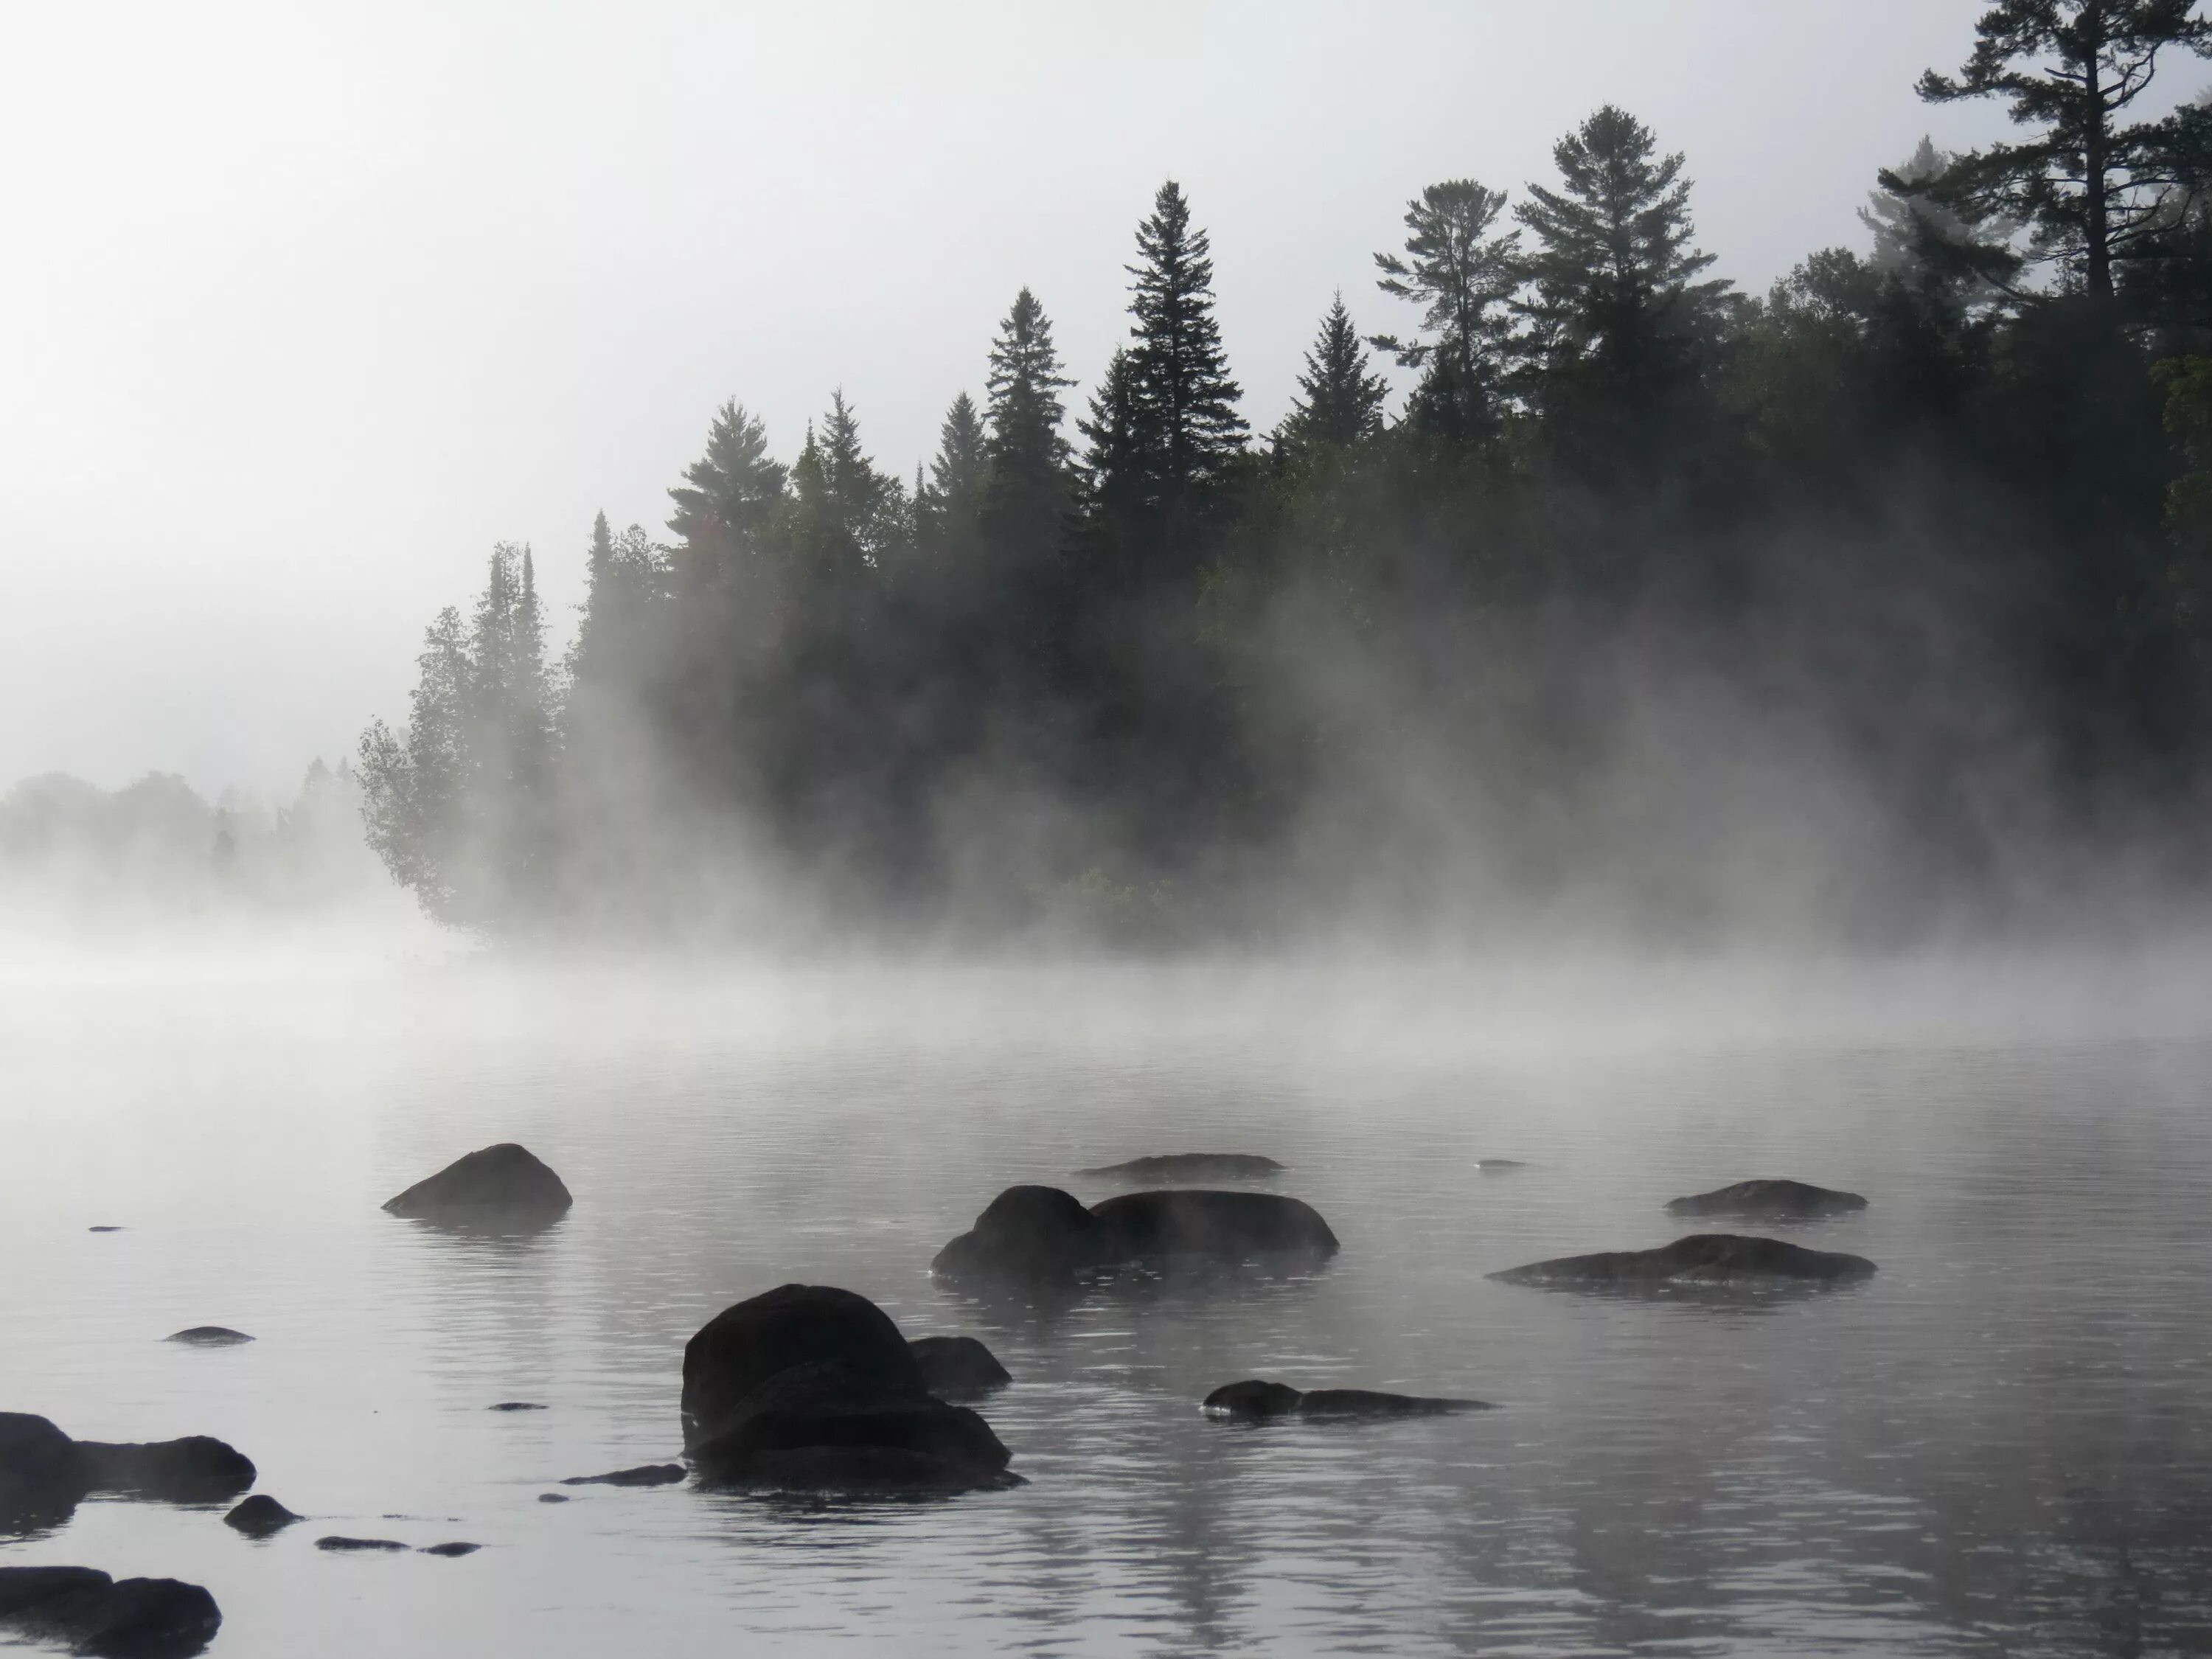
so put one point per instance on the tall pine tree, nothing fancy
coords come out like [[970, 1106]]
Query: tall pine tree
[[1461, 273]]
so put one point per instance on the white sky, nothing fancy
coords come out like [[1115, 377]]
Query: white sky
[[307, 304]]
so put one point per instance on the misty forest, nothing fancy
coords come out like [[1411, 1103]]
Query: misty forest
[[1877, 597]]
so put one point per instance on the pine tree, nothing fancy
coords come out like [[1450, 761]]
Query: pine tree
[[1116, 474], [2092, 183], [1461, 273], [948, 501], [1025, 491], [1618, 315], [1340, 402], [731, 495], [1185, 404], [850, 515]]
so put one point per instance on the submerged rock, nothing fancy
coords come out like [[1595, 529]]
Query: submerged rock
[[959, 1365], [259, 1517], [1716, 1259], [104, 1230], [455, 1548], [1188, 1166], [1256, 1401], [516, 1405], [338, 1541], [1769, 1200], [810, 1388], [501, 1183], [552, 1498], [208, 1336], [92, 1613], [645, 1474], [1042, 1234]]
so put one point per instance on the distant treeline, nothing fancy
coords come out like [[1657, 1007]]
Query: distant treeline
[[1886, 588]]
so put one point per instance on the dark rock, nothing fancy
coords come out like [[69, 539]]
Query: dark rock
[[1222, 1225], [260, 1517], [1040, 1234], [1037, 1233], [197, 1469], [498, 1183], [1714, 1259], [209, 1336], [338, 1541], [812, 1388], [645, 1474], [746, 1344], [42, 1474], [515, 1405], [450, 1549], [92, 1613], [957, 1366], [1189, 1166], [552, 1498], [103, 1230], [1256, 1401], [1769, 1200]]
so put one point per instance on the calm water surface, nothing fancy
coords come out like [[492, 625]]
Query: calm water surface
[[1999, 1446]]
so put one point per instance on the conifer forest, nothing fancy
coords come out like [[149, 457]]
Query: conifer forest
[[1575, 575]]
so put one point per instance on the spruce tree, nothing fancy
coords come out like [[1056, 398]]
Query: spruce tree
[[948, 501], [1185, 404], [1025, 491], [1339, 401], [2091, 183], [731, 495], [1461, 273]]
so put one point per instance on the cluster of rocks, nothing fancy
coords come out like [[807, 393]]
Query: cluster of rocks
[[1718, 1260], [1034, 1235], [88, 1612], [44, 1474]]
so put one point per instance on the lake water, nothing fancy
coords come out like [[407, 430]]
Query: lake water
[[2000, 1445]]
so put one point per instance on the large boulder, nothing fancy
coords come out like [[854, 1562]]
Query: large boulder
[[1042, 1234], [92, 1613], [44, 1474], [954, 1367], [809, 1387], [497, 1185], [1702, 1259], [1171, 1167], [1769, 1200], [1257, 1402]]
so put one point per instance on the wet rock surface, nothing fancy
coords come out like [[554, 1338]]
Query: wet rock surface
[[259, 1517], [1769, 1200], [1042, 1234], [807, 1386], [957, 1367], [89, 1612], [454, 1548], [1257, 1402], [504, 1183], [338, 1542], [44, 1474], [645, 1474], [208, 1336], [1188, 1166], [1702, 1259], [515, 1405]]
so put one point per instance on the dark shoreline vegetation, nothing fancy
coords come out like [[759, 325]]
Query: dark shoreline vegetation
[[1875, 606]]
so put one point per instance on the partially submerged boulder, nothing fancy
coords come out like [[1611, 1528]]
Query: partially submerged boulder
[[498, 1185], [1769, 1200], [457, 1548], [644, 1474], [92, 1613], [810, 1388], [338, 1543], [1707, 1259], [259, 1517], [1041, 1234], [1172, 1166], [44, 1474], [1257, 1402], [957, 1367], [208, 1336]]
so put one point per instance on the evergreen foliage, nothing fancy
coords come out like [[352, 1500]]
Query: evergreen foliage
[[1340, 402], [1461, 273]]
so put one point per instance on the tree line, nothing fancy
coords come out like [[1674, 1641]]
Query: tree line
[[1936, 510]]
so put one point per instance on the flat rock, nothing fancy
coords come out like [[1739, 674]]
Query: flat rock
[[1499, 1164], [455, 1548], [1769, 1200], [499, 1184], [259, 1517], [645, 1474], [196, 1469], [339, 1541], [208, 1336], [957, 1367], [516, 1405], [1188, 1166], [552, 1498], [1256, 1401], [1041, 1234], [104, 1230], [1709, 1259], [92, 1613]]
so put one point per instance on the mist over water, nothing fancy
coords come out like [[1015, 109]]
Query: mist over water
[[1998, 1440]]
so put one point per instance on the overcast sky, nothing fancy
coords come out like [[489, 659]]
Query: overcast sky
[[307, 304]]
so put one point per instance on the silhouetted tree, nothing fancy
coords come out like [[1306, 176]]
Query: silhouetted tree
[[1338, 401], [1461, 273]]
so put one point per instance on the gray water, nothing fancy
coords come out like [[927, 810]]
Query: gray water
[[1998, 1446]]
